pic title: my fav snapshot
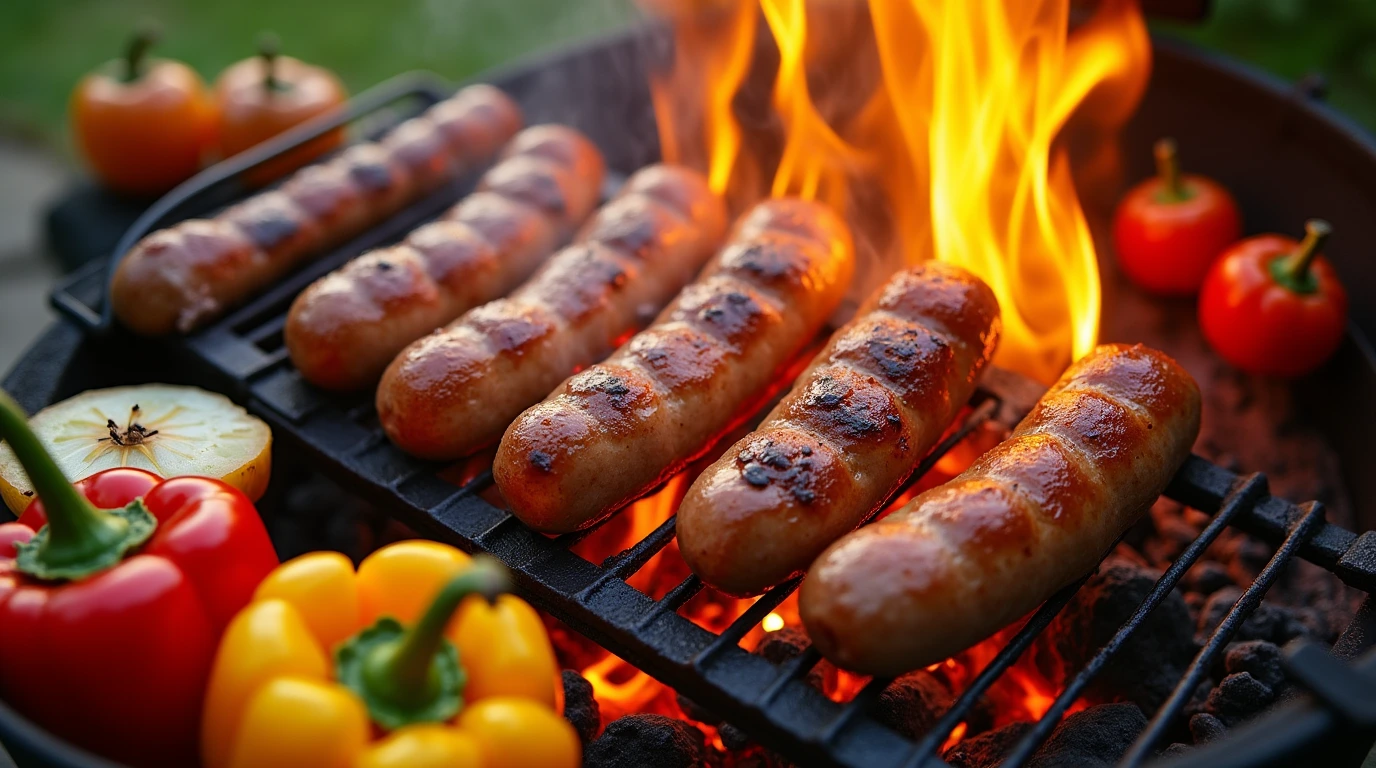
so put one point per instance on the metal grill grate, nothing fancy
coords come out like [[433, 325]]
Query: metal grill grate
[[242, 355]]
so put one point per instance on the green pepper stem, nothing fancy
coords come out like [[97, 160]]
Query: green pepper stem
[[1316, 233], [72, 520], [403, 670], [1168, 168], [137, 52], [269, 48]]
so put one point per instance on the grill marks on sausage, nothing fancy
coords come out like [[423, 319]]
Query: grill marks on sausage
[[635, 249], [536, 181], [1026, 518], [710, 351], [581, 281], [678, 356], [274, 223], [637, 226], [878, 396], [911, 360], [791, 467], [477, 250], [420, 148]]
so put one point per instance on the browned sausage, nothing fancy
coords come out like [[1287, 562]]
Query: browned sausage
[[1039, 510], [179, 278], [615, 430], [345, 328], [454, 391], [870, 406]]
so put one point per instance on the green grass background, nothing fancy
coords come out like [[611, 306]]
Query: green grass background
[[46, 45]]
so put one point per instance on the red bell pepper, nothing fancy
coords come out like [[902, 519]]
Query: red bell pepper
[[113, 595]]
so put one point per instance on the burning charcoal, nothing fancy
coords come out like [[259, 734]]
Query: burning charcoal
[[734, 738], [580, 706], [783, 645], [1249, 556], [987, 749], [647, 741], [1173, 534], [1207, 577], [911, 704], [1257, 657], [1205, 728], [1097, 736], [1175, 750], [1238, 697], [1149, 665], [1268, 622], [1195, 602]]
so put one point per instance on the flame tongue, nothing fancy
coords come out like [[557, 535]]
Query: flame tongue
[[951, 151]]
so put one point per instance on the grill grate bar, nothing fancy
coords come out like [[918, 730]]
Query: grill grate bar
[[673, 600], [1166, 715], [748, 619], [926, 748], [861, 702], [626, 563], [1243, 496], [793, 669]]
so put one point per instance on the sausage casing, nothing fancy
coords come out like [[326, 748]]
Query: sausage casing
[[852, 429], [345, 328], [616, 429], [176, 279], [455, 390], [964, 559]]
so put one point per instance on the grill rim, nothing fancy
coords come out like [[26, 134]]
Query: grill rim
[[846, 736]]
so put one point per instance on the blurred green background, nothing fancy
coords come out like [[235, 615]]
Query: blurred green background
[[46, 45]]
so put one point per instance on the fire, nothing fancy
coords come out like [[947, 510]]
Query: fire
[[935, 126], [940, 129]]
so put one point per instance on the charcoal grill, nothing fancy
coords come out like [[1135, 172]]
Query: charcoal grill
[[243, 356]]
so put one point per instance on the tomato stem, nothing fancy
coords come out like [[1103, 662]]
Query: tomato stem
[[1316, 233], [269, 48], [137, 52], [1168, 169]]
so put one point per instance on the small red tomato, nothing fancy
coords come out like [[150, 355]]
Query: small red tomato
[[1169, 229], [1273, 306]]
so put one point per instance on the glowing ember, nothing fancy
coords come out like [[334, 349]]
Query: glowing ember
[[936, 132]]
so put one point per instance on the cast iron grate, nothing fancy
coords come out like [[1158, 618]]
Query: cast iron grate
[[242, 355]]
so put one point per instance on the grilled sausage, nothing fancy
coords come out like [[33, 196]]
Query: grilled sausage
[[179, 278], [964, 559], [870, 406], [345, 328], [615, 430], [454, 391]]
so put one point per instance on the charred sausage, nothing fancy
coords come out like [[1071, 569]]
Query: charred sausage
[[964, 559], [345, 328], [177, 279], [869, 407], [615, 430], [454, 391]]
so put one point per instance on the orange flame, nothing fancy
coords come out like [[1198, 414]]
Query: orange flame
[[954, 151]]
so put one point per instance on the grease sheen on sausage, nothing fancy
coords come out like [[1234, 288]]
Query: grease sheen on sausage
[[964, 559], [615, 430], [179, 278], [852, 429], [345, 328], [455, 390]]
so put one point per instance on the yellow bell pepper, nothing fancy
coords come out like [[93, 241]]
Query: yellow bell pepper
[[416, 660]]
